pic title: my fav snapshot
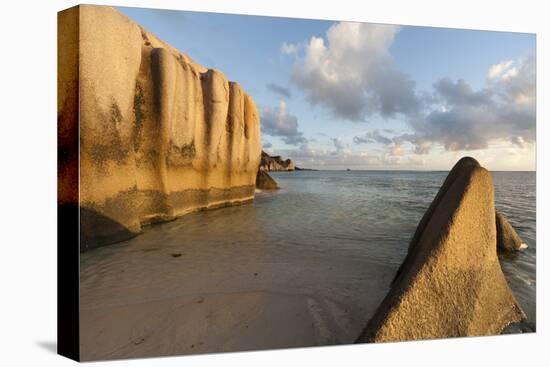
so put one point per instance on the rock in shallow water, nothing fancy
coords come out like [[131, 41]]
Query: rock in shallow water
[[265, 182], [508, 241], [450, 283]]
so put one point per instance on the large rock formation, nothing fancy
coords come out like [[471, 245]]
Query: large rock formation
[[275, 163], [160, 136], [450, 283]]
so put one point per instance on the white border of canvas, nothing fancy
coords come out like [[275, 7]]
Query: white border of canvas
[[28, 182]]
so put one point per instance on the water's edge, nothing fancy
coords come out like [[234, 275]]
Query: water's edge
[[324, 248]]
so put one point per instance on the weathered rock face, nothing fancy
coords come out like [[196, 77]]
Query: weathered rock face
[[265, 182], [275, 163], [160, 136], [508, 241], [450, 283]]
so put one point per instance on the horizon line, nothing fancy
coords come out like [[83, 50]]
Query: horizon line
[[396, 170]]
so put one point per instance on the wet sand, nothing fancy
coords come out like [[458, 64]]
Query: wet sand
[[168, 292]]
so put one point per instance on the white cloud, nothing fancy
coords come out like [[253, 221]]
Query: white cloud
[[396, 150], [351, 72], [464, 119], [338, 144], [518, 84], [290, 48], [519, 141], [372, 137], [279, 122], [279, 89], [497, 70], [339, 158], [515, 79], [510, 73]]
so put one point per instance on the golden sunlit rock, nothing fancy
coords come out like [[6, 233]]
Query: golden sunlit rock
[[159, 135]]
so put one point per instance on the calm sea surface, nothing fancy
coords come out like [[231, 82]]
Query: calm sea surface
[[375, 213], [330, 234]]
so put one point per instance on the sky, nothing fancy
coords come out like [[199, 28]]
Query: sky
[[338, 95]]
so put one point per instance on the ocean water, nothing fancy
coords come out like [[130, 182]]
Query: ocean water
[[376, 213], [334, 238], [515, 197]]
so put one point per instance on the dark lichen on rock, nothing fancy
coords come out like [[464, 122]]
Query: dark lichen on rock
[[151, 118], [139, 115]]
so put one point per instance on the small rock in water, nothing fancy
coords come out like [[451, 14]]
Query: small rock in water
[[508, 241], [523, 246], [265, 182]]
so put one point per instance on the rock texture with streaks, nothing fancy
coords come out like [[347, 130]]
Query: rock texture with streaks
[[451, 283], [160, 135]]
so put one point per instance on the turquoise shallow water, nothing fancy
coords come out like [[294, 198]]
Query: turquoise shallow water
[[374, 214]]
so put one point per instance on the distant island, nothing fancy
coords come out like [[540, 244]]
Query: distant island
[[274, 163]]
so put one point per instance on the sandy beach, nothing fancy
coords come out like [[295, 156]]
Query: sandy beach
[[162, 293]]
